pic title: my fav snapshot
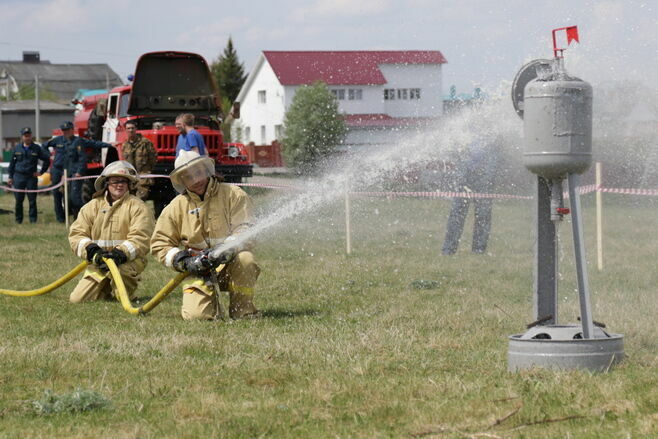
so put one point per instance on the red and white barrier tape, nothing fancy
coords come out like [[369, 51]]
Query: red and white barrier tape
[[582, 190], [49, 188]]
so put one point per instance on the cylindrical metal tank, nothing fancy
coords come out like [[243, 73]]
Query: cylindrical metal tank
[[557, 122]]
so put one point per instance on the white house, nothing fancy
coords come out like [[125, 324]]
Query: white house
[[380, 92]]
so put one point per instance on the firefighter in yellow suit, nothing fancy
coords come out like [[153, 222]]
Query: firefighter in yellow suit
[[115, 224], [206, 214]]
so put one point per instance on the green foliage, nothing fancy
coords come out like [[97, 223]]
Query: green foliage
[[80, 400], [28, 91], [313, 128], [229, 73]]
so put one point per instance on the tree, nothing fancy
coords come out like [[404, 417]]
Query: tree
[[228, 72], [313, 127]]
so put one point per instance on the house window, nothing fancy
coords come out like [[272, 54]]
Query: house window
[[403, 93], [238, 134], [247, 134], [414, 93], [389, 94], [339, 93], [354, 94], [263, 131], [261, 97], [278, 132]]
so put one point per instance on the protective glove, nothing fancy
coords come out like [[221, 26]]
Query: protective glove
[[95, 256], [93, 253], [198, 265], [116, 255], [178, 262]]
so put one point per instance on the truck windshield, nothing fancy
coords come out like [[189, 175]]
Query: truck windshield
[[123, 105]]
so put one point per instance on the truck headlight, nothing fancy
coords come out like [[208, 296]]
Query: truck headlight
[[233, 151]]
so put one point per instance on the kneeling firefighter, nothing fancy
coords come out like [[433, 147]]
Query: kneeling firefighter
[[115, 225], [207, 214]]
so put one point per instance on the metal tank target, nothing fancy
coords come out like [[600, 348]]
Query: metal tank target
[[556, 109]]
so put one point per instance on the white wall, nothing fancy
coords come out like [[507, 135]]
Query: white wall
[[254, 114], [427, 77]]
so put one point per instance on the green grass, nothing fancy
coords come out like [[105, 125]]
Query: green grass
[[394, 340]]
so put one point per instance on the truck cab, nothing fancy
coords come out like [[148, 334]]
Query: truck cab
[[165, 85]]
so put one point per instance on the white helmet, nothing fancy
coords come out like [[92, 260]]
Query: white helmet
[[119, 168], [188, 166]]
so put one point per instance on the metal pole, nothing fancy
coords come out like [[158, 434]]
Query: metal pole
[[2, 135], [348, 225], [37, 114], [66, 197], [599, 219], [545, 288], [581, 263]]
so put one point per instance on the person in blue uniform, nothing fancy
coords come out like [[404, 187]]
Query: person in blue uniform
[[69, 155], [23, 173]]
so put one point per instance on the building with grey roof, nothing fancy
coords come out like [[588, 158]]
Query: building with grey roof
[[15, 115], [59, 81]]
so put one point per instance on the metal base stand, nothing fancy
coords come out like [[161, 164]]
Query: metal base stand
[[548, 344]]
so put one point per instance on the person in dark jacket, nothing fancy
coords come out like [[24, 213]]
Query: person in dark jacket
[[23, 173], [70, 155]]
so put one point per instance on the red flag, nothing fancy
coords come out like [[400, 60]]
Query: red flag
[[572, 34]]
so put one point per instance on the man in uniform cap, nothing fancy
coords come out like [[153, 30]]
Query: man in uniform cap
[[207, 213], [23, 173], [70, 155], [115, 225]]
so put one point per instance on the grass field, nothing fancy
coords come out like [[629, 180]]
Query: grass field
[[348, 346]]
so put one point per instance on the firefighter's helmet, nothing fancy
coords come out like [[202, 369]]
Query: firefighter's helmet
[[119, 168], [190, 166]]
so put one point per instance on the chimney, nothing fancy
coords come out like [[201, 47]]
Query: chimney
[[31, 56]]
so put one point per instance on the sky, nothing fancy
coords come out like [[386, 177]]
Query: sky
[[485, 41]]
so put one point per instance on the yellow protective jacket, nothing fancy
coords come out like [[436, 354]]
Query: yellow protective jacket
[[127, 224], [190, 222]]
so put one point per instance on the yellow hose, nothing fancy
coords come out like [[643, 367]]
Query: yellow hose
[[123, 294], [48, 288]]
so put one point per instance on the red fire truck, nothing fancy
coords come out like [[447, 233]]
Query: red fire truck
[[165, 84]]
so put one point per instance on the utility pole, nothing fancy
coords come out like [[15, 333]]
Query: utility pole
[[37, 113]]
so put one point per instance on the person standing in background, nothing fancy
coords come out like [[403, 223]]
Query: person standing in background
[[23, 173]]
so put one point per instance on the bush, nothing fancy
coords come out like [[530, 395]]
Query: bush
[[80, 400], [313, 128]]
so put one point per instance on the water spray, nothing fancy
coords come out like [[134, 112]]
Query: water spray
[[556, 109]]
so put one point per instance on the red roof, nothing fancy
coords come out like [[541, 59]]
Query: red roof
[[343, 67], [381, 120]]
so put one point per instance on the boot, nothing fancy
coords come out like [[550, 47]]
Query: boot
[[241, 306]]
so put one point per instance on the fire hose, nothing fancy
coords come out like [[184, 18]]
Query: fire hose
[[122, 294], [48, 288]]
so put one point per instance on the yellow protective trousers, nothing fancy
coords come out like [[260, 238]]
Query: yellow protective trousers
[[98, 285], [238, 277]]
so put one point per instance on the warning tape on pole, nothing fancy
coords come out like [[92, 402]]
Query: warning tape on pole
[[49, 188], [586, 189]]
